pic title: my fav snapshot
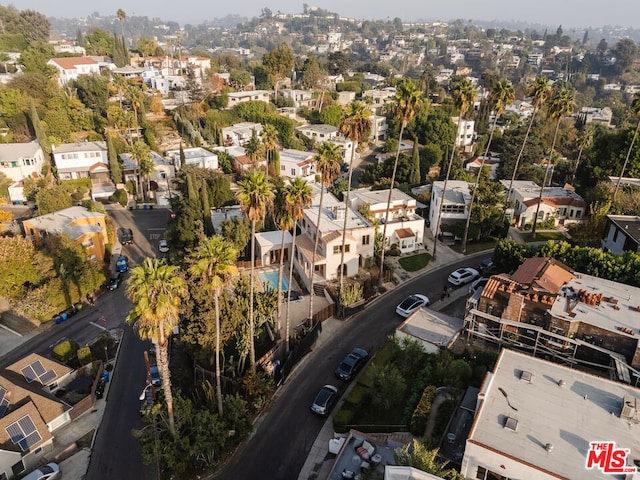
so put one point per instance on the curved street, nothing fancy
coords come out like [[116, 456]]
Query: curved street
[[283, 436]]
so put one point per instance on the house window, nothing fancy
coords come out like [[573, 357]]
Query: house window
[[336, 249], [283, 168], [571, 213], [541, 215], [615, 235], [485, 474], [365, 239], [88, 243], [578, 213], [293, 172]]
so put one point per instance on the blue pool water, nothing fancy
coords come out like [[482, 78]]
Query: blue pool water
[[270, 278]]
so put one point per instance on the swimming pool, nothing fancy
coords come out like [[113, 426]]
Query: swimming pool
[[270, 279]]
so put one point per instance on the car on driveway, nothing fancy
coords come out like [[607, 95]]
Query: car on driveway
[[325, 399], [462, 276], [478, 284], [122, 264], [163, 246], [352, 363], [114, 281], [411, 304]]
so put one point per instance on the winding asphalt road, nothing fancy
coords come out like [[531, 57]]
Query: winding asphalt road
[[284, 436]]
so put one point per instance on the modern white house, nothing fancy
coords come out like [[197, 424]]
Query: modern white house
[[561, 204], [379, 128], [197, 156], [358, 245], [466, 132], [405, 228], [239, 134], [539, 420], [379, 97], [320, 132], [455, 207], [21, 160], [269, 246], [601, 116], [300, 98], [297, 164], [433, 330], [490, 162]]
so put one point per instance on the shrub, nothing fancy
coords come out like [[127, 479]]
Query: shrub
[[342, 419], [357, 395], [421, 413], [84, 355], [394, 251], [120, 196], [65, 350]]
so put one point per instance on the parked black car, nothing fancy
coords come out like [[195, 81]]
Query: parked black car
[[351, 364], [125, 236], [114, 281]]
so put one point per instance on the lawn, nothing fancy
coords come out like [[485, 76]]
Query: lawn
[[543, 236], [475, 247], [414, 262]]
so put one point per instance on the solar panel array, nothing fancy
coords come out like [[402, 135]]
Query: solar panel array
[[4, 402], [36, 371], [24, 433]]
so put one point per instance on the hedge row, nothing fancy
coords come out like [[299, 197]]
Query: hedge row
[[421, 413]]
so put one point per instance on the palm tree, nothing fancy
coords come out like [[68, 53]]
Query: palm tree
[[141, 153], [463, 96], [328, 166], [408, 100], [356, 127], [562, 105], [214, 261], [256, 198], [298, 196], [635, 111], [584, 142], [540, 90], [156, 291], [253, 149], [501, 95], [270, 143], [285, 222]]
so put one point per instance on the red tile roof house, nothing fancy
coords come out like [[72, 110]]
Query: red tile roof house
[[69, 68]]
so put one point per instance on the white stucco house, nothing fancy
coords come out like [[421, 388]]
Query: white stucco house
[[358, 245], [466, 132], [69, 68], [197, 156], [561, 204], [236, 98], [405, 227], [240, 133], [85, 160], [297, 164], [622, 234], [21, 160]]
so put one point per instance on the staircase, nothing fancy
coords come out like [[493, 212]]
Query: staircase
[[318, 289]]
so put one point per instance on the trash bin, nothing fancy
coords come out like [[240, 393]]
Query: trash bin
[[105, 375], [145, 207], [64, 316], [57, 319]]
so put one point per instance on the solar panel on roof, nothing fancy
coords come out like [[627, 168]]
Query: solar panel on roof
[[15, 432], [29, 374], [48, 376], [4, 406], [38, 368], [29, 441], [27, 425]]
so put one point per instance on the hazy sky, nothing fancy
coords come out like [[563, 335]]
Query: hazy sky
[[568, 13]]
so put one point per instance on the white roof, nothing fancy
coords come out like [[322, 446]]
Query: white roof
[[393, 472], [81, 147], [14, 151], [59, 222], [329, 222], [273, 239], [562, 407], [458, 191], [431, 326], [373, 197]]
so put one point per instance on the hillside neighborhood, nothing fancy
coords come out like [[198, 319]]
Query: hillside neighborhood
[[198, 222]]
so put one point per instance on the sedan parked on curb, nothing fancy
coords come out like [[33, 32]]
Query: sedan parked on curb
[[411, 304], [486, 264], [125, 236], [462, 276], [478, 284], [324, 400], [114, 281], [352, 363]]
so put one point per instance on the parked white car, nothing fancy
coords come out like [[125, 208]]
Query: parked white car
[[163, 246], [411, 304], [462, 276]]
